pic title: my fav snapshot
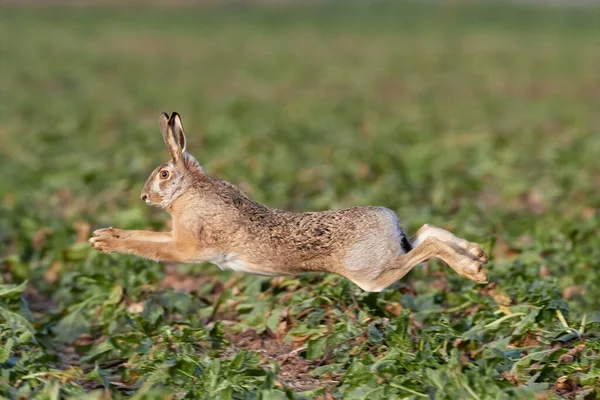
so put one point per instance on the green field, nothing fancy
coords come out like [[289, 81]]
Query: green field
[[480, 119]]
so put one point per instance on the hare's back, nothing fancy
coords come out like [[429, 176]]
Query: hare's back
[[339, 231]]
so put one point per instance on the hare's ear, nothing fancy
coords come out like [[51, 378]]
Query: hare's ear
[[163, 121], [173, 136], [177, 127]]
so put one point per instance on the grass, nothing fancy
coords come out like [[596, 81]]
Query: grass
[[480, 119]]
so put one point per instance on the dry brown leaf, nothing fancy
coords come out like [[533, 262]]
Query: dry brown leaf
[[505, 310], [84, 340], [363, 170], [51, 274], [531, 339], [533, 201], [471, 310], [325, 397], [588, 213], [39, 238], [513, 379], [571, 292], [276, 281], [281, 330], [82, 231], [502, 250], [394, 308], [136, 307], [500, 297], [564, 384], [570, 355], [441, 283]]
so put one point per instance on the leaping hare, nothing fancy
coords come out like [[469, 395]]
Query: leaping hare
[[214, 221]]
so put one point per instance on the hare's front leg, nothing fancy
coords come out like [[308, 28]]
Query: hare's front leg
[[147, 244], [147, 236]]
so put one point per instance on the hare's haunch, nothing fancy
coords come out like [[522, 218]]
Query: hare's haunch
[[215, 221]]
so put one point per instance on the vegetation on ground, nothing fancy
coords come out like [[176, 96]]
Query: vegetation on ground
[[479, 119]]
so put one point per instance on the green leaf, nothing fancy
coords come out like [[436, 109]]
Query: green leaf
[[436, 377], [175, 301], [51, 391], [115, 295], [72, 326], [152, 315], [527, 322], [98, 375], [98, 350], [17, 321], [374, 334], [273, 319], [325, 369], [150, 392], [77, 252], [316, 348], [400, 337], [590, 378], [6, 349], [12, 291], [216, 335]]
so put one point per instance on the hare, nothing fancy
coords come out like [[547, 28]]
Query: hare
[[214, 221]]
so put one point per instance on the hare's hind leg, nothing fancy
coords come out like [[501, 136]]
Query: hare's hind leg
[[473, 249], [465, 264], [147, 244]]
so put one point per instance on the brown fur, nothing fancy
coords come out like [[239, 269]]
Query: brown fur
[[215, 221]]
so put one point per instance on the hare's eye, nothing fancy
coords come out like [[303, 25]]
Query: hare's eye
[[164, 174]]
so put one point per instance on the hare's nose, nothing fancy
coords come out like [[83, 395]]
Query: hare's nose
[[144, 197]]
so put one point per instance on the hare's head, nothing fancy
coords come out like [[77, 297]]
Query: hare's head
[[173, 178]]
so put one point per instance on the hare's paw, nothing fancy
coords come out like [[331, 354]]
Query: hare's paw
[[473, 270], [476, 252], [107, 240], [111, 232], [104, 244], [475, 259], [470, 250]]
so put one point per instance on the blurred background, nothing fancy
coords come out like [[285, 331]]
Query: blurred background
[[480, 117], [486, 111]]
